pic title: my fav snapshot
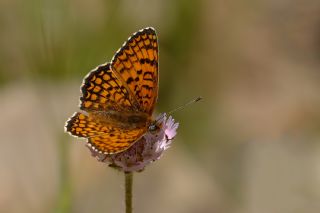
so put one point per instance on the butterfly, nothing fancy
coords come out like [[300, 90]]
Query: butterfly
[[118, 98]]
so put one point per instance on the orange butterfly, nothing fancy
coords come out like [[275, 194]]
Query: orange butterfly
[[119, 97]]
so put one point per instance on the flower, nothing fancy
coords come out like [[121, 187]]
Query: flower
[[146, 150]]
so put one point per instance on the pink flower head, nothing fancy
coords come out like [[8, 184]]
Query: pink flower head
[[145, 151]]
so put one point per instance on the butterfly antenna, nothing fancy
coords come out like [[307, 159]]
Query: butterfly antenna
[[185, 105]]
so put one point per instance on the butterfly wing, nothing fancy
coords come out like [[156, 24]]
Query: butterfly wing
[[136, 64], [105, 138], [103, 91]]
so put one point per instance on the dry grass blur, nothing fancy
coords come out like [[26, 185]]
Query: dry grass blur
[[252, 145]]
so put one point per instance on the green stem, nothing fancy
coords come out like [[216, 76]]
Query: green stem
[[128, 183], [64, 194]]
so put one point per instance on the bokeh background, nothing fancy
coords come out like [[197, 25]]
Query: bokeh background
[[251, 146]]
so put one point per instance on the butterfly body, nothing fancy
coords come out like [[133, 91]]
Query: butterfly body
[[119, 97], [126, 120]]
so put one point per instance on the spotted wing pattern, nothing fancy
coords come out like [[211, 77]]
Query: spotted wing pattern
[[102, 90], [136, 64], [104, 138], [128, 85]]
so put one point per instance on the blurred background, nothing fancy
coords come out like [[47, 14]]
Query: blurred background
[[251, 146]]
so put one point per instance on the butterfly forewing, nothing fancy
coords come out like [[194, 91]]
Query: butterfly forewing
[[136, 63], [102, 90]]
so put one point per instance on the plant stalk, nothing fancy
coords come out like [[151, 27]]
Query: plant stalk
[[128, 188]]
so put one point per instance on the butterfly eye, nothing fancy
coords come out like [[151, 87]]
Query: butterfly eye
[[153, 128]]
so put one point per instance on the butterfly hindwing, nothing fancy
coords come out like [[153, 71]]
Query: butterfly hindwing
[[105, 138], [117, 140]]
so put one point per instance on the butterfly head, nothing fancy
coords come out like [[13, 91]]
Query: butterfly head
[[154, 127]]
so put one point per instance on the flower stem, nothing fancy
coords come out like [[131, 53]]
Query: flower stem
[[128, 183]]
